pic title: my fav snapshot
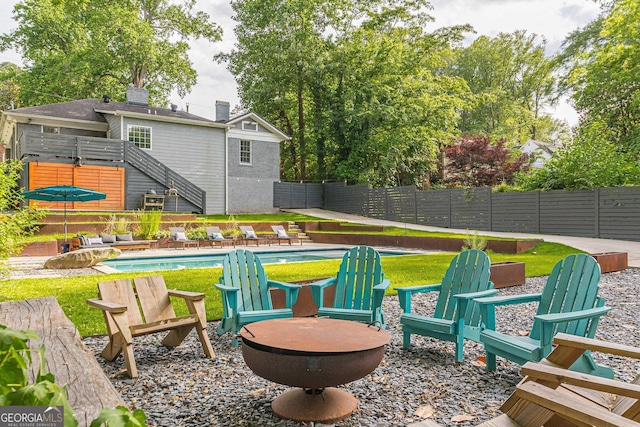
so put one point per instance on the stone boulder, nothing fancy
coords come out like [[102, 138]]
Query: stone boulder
[[81, 258]]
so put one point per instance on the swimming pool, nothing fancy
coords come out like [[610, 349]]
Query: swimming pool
[[215, 260]]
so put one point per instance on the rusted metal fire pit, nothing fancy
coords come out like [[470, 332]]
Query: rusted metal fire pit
[[315, 355]]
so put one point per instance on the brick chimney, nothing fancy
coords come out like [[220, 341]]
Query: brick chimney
[[222, 111], [137, 96]]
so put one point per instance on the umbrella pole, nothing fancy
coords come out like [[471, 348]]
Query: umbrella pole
[[65, 221]]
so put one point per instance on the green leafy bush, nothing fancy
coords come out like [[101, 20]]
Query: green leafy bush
[[15, 389], [149, 223]]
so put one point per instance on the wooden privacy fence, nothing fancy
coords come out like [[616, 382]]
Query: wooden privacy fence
[[612, 213]]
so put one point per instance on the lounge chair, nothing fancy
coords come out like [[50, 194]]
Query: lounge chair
[[215, 238], [249, 235], [179, 239], [117, 300], [280, 234]]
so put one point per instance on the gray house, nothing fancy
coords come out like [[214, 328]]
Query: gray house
[[126, 149]]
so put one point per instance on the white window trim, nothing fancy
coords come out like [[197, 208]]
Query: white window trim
[[251, 126], [250, 152], [52, 127], [150, 136]]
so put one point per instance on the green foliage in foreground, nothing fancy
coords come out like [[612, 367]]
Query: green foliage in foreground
[[72, 292], [16, 389]]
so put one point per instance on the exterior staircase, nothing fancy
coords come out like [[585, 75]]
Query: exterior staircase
[[294, 229]]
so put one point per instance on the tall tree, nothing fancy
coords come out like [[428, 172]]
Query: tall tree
[[512, 83], [603, 62], [475, 162], [9, 87], [352, 81], [75, 49]]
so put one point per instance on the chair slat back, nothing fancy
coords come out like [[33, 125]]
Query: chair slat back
[[242, 269], [360, 270], [120, 292], [212, 230], [468, 272], [571, 286], [174, 230], [154, 298]]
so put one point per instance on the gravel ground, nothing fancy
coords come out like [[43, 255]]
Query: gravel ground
[[180, 387]]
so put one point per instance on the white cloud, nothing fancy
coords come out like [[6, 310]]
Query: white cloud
[[551, 19]]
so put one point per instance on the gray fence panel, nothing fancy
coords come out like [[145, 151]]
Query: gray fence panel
[[433, 207], [314, 196], [356, 199], [571, 213], [471, 208], [377, 206], [282, 194], [334, 196], [619, 213], [515, 212], [401, 204]]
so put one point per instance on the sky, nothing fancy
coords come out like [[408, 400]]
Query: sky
[[551, 19]]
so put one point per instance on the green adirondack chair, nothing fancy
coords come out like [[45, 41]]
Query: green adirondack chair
[[568, 303], [244, 287], [455, 317], [359, 288]]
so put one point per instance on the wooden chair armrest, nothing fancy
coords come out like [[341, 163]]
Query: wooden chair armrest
[[573, 315], [383, 286], [405, 293], [107, 306], [553, 374], [282, 285], [188, 295], [225, 288], [509, 299], [320, 284], [570, 407], [568, 340], [417, 289], [474, 295]]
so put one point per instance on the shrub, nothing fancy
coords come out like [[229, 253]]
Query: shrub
[[149, 223]]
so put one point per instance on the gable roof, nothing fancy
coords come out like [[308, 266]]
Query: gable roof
[[264, 123]]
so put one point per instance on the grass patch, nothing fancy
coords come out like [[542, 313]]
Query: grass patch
[[72, 292]]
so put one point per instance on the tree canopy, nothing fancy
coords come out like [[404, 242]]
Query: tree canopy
[[354, 82], [76, 49], [602, 62]]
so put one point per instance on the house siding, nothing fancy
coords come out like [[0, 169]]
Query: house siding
[[196, 153], [252, 185], [114, 126]]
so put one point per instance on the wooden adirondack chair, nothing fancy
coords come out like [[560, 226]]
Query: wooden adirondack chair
[[124, 322], [540, 404], [246, 298], [569, 303], [359, 288], [455, 317], [618, 397]]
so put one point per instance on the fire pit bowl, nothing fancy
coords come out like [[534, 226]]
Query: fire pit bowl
[[314, 354]]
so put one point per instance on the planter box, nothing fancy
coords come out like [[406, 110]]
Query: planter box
[[504, 274], [612, 261], [418, 242], [41, 249], [304, 306]]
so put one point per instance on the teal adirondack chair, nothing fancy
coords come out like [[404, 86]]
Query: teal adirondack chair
[[244, 287], [568, 303], [359, 288], [455, 317]]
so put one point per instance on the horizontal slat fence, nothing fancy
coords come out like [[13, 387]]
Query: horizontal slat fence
[[612, 213]]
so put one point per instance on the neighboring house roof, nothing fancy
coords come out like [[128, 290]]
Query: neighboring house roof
[[256, 118], [540, 150]]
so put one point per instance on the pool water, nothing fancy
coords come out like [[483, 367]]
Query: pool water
[[215, 260]]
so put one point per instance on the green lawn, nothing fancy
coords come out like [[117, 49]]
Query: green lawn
[[402, 271]]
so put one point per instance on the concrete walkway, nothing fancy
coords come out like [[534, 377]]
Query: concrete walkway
[[584, 243]]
